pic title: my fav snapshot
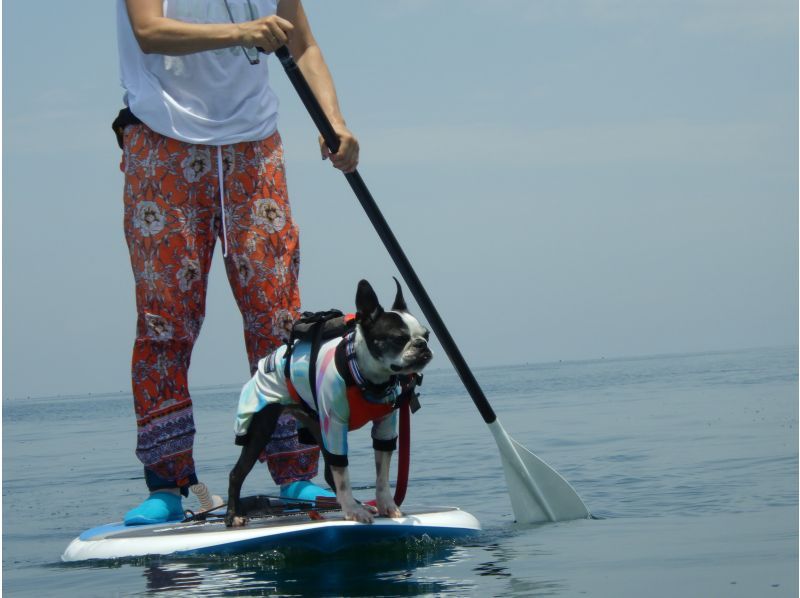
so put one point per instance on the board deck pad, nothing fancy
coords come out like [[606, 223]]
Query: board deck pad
[[273, 524]]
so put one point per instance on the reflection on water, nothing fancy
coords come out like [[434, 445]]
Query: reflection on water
[[409, 568]]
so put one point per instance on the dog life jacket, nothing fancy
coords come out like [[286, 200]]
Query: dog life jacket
[[367, 401], [327, 338]]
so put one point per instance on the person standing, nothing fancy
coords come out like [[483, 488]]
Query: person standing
[[203, 161]]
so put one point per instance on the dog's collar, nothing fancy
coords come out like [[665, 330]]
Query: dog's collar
[[347, 365]]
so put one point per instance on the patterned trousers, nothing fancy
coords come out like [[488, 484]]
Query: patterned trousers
[[174, 213]]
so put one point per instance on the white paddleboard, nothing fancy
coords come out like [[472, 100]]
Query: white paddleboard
[[298, 529]]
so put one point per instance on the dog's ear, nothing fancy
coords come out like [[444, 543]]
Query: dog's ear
[[367, 304], [399, 303]]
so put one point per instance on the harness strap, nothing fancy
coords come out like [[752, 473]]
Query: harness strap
[[312, 324], [316, 341], [347, 365]]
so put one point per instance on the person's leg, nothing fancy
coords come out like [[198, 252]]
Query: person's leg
[[263, 244], [169, 230], [263, 266]]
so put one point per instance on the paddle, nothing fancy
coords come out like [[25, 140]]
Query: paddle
[[538, 493]]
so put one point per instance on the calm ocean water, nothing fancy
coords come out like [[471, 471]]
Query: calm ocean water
[[689, 462]]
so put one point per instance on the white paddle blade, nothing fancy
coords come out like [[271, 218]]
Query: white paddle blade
[[538, 493]]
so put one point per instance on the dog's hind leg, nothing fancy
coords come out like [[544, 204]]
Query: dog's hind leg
[[329, 474], [313, 427], [259, 432]]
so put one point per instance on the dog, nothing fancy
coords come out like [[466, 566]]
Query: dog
[[356, 382]]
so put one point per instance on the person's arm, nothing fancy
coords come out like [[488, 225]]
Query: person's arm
[[308, 57], [158, 34]]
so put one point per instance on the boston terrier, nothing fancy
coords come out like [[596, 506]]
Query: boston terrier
[[357, 381]]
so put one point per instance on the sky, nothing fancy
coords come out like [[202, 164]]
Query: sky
[[570, 179]]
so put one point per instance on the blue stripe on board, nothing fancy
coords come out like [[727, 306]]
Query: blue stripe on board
[[103, 529], [333, 539]]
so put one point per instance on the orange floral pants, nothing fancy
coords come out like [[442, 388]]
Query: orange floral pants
[[174, 214]]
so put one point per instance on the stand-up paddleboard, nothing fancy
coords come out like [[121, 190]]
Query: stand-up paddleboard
[[273, 524]]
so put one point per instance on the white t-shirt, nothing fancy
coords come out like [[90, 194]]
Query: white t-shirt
[[215, 97]]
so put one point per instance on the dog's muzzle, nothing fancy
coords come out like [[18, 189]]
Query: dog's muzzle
[[416, 362]]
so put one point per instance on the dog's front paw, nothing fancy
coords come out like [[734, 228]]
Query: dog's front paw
[[358, 513], [234, 520], [390, 510], [386, 505]]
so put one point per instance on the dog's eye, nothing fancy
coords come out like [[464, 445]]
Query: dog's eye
[[399, 340], [427, 335]]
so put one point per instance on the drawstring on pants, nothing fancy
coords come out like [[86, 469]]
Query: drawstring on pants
[[222, 202]]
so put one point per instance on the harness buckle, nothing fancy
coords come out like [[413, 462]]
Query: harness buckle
[[409, 393]]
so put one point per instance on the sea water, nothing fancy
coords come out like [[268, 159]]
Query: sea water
[[688, 462]]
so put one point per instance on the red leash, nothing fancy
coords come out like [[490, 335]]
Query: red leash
[[404, 453], [404, 458]]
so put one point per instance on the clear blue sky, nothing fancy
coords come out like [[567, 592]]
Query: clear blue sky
[[570, 179]]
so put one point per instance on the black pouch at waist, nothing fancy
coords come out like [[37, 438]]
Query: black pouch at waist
[[124, 118]]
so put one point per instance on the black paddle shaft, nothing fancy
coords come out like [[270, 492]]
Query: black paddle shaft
[[385, 233]]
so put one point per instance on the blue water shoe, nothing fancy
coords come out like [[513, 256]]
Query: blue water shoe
[[159, 508], [304, 490]]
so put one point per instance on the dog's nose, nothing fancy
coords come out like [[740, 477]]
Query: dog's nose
[[419, 343]]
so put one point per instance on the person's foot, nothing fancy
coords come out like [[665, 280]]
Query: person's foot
[[304, 490], [160, 507]]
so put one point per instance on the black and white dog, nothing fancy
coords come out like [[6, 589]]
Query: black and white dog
[[356, 382]]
